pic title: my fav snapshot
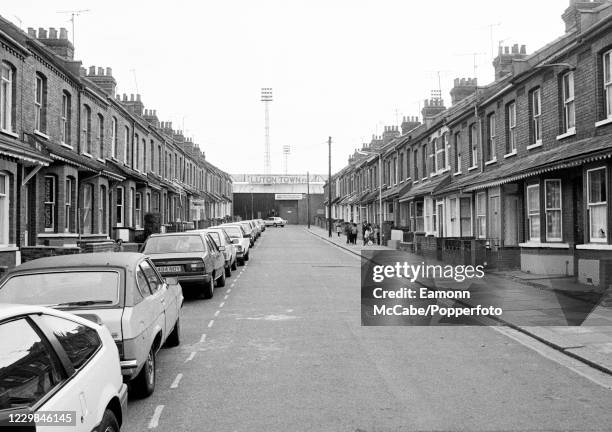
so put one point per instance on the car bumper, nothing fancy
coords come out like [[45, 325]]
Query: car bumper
[[123, 400], [194, 278]]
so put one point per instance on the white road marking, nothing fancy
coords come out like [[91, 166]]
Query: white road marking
[[222, 304], [203, 338], [156, 415], [191, 356], [176, 381], [229, 290], [217, 313], [210, 324], [226, 296], [602, 379]]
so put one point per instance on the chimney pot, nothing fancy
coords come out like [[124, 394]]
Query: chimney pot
[[52, 33], [506, 50], [31, 32], [515, 49], [109, 71], [83, 71], [100, 71], [125, 98], [132, 97], [42, 33], [92, 70], [138, 97], [523, 49], [63, 33]]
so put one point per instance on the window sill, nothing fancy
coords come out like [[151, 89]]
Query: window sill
[[594, 246], [41, 134], [87, 154], [68, 146], [536, 145], [569, 133], [507, 155], [472, 168], [9, 133], [458, 173], [544, 245], [8, 248], [101, 160], [491, 162], [603, 122], [63, 234]]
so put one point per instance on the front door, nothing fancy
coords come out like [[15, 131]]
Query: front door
[[511, 220], [494, 219]]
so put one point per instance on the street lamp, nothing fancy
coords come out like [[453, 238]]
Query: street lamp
[[380, 207]]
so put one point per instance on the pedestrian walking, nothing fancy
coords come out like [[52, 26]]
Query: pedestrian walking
[[338, 228], [347, 232], [366, 235], [354, 233], [377, 234]]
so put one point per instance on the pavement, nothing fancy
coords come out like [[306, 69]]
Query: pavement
[[552, 310], [282, 348]]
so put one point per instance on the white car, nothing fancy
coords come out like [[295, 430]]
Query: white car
[[240, 239], [276, 221], [58, 371]]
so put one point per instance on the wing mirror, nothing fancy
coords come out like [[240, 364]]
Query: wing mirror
[[172, 281], [221, 248]]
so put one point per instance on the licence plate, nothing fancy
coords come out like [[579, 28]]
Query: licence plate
[[170, 269]]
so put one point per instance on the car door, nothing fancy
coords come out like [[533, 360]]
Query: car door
[[32, 376], [150, 312], [216, 254], [168, 292], [81, 349], [228, 245]]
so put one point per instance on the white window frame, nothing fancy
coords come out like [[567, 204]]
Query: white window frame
[[4, 209], [533, 213], [441, 153], [126, 144], [100, 135], [511, 128], [491, 126], [569, 113], [536, 115], [65, 139], [473, 134], [590, 205], [481, 215], [549, 210], [131, 200], [458, 153], [88, 207], [51, 203], [6, 97], [114, 138], [607, 82], [120, 206], [87, 130], [68, 186], [101, 207], [138, 209], [38, 102]]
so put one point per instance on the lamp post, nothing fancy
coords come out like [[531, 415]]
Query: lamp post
[[380, 206]]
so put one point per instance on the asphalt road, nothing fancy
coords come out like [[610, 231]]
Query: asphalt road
[[284, 351]]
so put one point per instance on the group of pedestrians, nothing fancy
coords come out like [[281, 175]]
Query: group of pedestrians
[[369, 233]]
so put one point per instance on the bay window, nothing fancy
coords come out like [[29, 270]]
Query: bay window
[[553, 209], [481, 215], [533, 212], [597, 204]]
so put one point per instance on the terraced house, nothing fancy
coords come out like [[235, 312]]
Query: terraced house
[[513, 174], [79, 163]]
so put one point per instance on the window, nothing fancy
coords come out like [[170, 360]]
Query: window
[[552, 207], [68, 204], [481, 215], [159, 160], [441, 153], [138, 209], [4, 209], [40, 100], [424, 160], [27, 364], [127, 150], [87, 130], [87, 208], [536, 117], [153, 279], [119, 205], [567, 91], [65, 119], [607, 82], [465, 214], [100, 136], [533, 212], [420, 223], [511, 122], [80, 342], [114, 138], [102, 210], [49, 203], [433, 147], [491, 147], [412, 223], [597, 203], [458, 152], [473, 146], [152, 153], [131, 201], [144, 155], [7, 97], [137, 151], [415, 164], [400, 166]]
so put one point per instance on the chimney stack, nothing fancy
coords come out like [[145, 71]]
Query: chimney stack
[[409, 123], [503, 62], [134, 105], [572, 17], [462, 88], [389, 134], [103, 79], [432, 107], [61, 46]]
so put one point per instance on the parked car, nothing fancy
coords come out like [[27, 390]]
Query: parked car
[[193, 258], [261, 223], [57, 362], [276, 221], [241, 241], [248, 228], [225, 245], [121, 290], [256, 227]]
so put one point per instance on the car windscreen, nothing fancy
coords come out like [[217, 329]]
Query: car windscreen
[[215, 236], [233, 231], [66, 288], [174, 244]]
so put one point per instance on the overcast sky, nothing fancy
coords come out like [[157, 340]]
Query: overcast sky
[[339, 68]]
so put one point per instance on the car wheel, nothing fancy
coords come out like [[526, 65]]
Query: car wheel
[[274, 225], [246, 257], [240, 261], [221, 279], [235, 265], [109, 422], [144, 383], [174, 338], [228, 271], [208, 289]]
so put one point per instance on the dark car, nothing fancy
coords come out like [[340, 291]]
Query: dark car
[[192, 257]]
